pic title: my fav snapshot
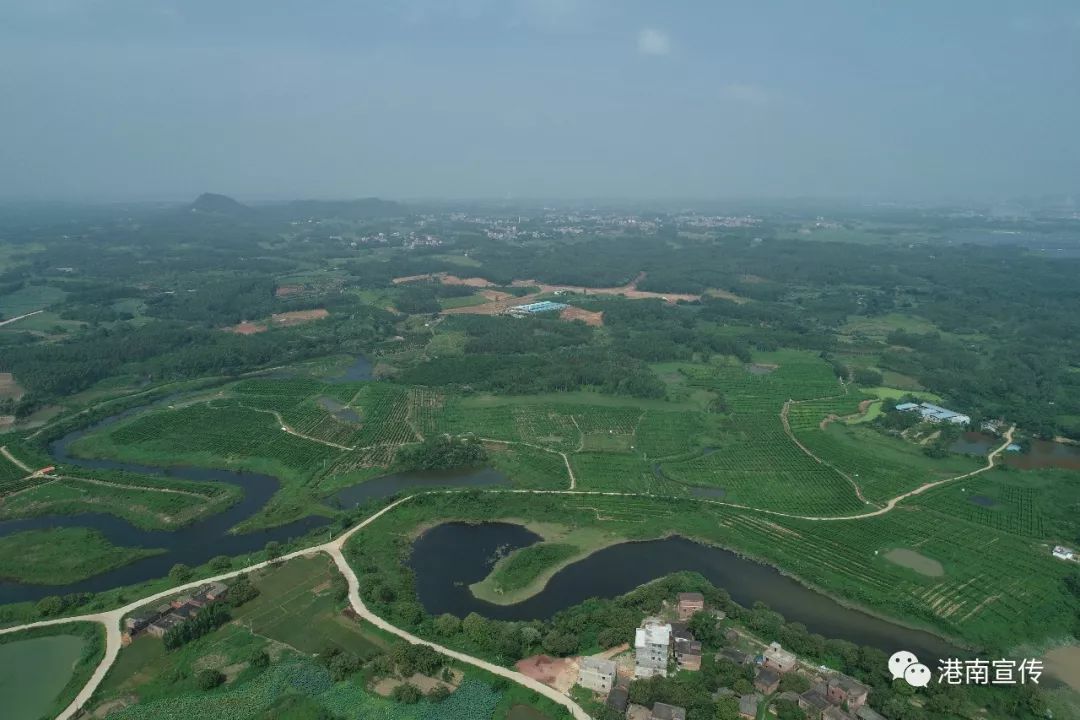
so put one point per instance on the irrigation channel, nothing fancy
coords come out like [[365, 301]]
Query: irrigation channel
[[447, 558]]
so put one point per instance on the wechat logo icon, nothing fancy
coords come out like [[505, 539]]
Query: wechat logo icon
[[905, 665]]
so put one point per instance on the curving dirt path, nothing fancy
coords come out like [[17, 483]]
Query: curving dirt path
[[14, 460], [798, 443], [20, 317], [111, 619]]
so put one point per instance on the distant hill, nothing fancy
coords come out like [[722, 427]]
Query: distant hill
[[218, 205]]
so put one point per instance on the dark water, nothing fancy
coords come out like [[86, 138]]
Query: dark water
[[358, 371], [406, 481], [1041, 454], [982, 500], [450, 557]]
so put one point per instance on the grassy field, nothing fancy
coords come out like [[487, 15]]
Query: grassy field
[[29, 299], [62, 555], [299, 606], [120, 495]]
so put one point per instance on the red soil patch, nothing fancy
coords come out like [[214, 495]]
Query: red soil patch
[[471, 282], [246, 328], [445, 279], [496, 295], [559, 673], [286, 290], [300, 316], [596, 319]]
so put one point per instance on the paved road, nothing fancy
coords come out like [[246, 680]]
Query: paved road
[[111, 619]]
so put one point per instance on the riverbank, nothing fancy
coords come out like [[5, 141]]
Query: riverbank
[[554, 532], [585, 542], [59, 556]]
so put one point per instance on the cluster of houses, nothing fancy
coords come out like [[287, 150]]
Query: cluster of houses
[[163, 618], [660, 647], [935, 413]]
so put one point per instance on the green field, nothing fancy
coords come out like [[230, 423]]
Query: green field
[[297, 606], [59, 556]]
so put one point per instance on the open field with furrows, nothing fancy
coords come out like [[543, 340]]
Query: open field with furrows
[[319, 436]]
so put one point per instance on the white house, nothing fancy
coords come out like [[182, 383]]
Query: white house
[[652, 648]]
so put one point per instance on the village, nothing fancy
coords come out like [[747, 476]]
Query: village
[[664, 646], [159, 620]]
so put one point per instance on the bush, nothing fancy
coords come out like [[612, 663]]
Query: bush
[[407, 694], [259, 659], [180, 573], [209, 679]]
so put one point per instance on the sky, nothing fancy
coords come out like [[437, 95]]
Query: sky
[[561, 99]]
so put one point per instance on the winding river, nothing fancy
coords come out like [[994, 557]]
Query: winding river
[[449, 557], [199, 542]]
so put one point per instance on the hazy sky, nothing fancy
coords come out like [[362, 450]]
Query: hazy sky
[[163, 99]]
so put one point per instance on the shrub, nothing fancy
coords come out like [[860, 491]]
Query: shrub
[[209, 679]]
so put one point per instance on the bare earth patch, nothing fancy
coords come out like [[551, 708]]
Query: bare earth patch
[[300, 316], [286, 290], [1064, 664], [9, 389], [247, 328], [559, 673], [596, 319], [725, 295], [914, 561], [386, 686]]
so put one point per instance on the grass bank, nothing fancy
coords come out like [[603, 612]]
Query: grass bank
[[59, 556]]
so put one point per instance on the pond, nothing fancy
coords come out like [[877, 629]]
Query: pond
[[35, 671], [359, 370], [448, 558], [1041, 454]]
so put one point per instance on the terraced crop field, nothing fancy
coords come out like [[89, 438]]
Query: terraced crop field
[[996, 586]]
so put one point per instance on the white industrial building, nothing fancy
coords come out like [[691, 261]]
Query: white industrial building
[[935, 413]]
